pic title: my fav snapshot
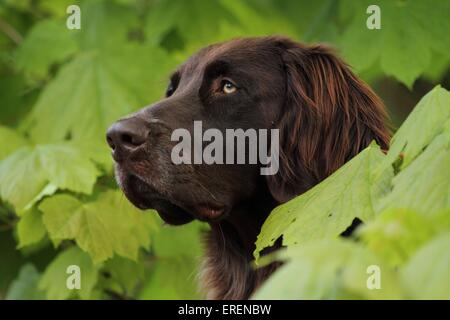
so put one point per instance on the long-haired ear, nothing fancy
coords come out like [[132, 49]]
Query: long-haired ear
[[329, 116]]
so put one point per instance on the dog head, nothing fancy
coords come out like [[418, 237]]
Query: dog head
[[325, 115]]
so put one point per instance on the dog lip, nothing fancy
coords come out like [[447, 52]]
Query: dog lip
[[134, 192], [144, 196], [210, 212]]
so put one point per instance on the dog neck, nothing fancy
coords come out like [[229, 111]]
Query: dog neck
[[228, 271]]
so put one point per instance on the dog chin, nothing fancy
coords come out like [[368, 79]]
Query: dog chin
[[174, 216], [144, 197]]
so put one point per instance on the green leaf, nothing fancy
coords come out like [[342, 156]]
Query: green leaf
[[30, 228], [54, 279], [33, 172], [47, 43], [311, 18], [329, 269], [400, 38], [188, 18], [25, 286], [125, 272], [432, 17], [424, 186], [326, 210], [174, 268], [18, 4], [171, 278], [178, 240], [427, 274], [56, 8], [100, 19], [397, 234], [426, 121], [103, 227], [10, 141], [94, 90], [15, 98], [100, 153], [406, 27], [252, 21]]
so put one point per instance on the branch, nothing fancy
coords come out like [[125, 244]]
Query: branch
[[9, 31]]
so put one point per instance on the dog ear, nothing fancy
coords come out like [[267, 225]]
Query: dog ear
[[328, 117]]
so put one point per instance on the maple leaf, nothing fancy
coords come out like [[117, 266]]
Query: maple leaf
[[32, 172], [54, 278], [410, 31], [329, 208], [103, 227]]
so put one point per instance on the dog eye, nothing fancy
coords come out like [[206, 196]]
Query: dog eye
[[228, 87], [170, 90]]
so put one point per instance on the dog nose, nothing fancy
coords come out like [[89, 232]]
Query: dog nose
[[127, 135]]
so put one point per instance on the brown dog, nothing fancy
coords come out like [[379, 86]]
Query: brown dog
[[325, 116]]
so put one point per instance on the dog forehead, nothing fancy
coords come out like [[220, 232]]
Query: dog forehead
[[244, 50]]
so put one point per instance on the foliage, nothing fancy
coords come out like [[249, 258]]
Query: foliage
[[407, 228], [25, 287], [406, 28], [329, 269], [60, 89], [99, 227], [329, 208]]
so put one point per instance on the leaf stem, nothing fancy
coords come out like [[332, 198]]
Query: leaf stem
[[10, 32]]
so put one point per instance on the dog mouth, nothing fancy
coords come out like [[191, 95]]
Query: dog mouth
[[144, 196], [210, 211]]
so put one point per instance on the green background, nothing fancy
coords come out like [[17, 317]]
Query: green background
[[60, 89]]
